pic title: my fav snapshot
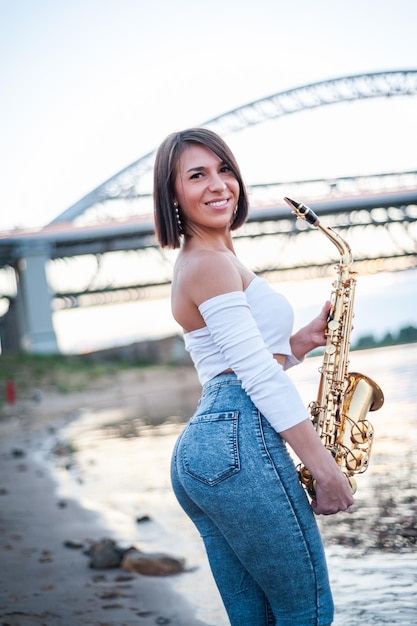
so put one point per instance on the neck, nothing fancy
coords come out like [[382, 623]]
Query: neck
[[219, 242]]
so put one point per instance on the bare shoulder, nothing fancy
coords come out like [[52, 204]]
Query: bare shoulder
[[205, 274]]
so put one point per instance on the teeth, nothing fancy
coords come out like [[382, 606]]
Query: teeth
[[218, 203]]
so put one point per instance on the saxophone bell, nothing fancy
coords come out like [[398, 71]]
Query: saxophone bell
[[362, 395]]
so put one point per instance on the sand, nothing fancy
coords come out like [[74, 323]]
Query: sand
[[43, 581]]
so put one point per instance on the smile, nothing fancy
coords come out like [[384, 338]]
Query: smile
[[218, 203]]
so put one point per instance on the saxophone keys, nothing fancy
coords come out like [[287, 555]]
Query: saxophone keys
[[361, 432], [307, 480], [330, 349], [355, 460], [304, 475], [333, 324]]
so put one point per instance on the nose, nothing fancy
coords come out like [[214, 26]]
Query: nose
[[216, 182]]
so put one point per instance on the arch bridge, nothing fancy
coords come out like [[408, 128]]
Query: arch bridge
[[79, 258]]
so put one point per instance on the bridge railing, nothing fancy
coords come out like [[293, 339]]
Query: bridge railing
[[337, 187]]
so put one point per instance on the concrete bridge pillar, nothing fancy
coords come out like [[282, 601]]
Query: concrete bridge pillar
[[33, 304]]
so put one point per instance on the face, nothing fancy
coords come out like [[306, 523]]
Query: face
[[205, 188]]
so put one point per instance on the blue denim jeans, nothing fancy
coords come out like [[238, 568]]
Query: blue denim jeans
[[233, 476]]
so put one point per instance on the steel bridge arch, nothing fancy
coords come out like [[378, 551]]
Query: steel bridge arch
[[124, 185]]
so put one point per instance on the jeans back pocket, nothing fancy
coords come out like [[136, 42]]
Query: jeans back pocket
[[209, 447]]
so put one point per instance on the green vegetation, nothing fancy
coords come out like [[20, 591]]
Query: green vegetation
[[404, 335], [74, 373], [61, 372]]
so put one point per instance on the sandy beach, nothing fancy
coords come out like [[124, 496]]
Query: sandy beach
[[45, 578], [119, 425]]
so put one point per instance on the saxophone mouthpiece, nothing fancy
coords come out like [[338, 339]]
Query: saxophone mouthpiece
[[292, 203], [303, 211]]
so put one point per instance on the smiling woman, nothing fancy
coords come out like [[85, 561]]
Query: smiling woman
[[204, 191], [238, 331], [179, 161]]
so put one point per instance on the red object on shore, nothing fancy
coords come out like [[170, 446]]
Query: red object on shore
[[10, 392]]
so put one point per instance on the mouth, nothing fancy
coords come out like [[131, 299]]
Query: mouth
[[218, 204]]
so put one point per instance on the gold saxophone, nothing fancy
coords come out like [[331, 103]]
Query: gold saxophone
[[344, 398]]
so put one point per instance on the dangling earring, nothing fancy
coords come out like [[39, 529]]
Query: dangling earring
[[177, 215]]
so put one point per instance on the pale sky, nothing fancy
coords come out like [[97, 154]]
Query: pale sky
[[89, 86]]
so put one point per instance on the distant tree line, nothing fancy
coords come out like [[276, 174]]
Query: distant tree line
[[408, 334]]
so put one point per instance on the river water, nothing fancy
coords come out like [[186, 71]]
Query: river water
[[121, 468]]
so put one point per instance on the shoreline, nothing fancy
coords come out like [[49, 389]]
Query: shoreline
[[43, 580]]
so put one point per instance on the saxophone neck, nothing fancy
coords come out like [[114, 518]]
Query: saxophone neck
[[305, 213], [343, 247]]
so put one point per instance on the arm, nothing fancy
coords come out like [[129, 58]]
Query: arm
[[236, 335], [333, 492], [222, 303]]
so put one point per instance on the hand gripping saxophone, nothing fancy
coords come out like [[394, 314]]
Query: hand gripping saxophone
[[344, 398]]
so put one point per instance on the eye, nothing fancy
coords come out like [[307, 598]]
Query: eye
[[196, 175], [226, 169]]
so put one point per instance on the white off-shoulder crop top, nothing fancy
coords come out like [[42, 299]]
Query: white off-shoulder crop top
[[274, 317]]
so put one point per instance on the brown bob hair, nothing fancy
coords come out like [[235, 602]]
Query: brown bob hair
[[167, 230]]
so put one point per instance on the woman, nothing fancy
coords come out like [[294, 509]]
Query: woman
[[231, 471]]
